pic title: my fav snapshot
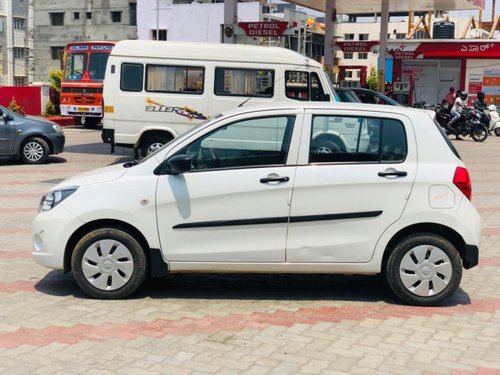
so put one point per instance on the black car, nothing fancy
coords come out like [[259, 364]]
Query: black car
[[28, 138], [374, 97], [346, 95]]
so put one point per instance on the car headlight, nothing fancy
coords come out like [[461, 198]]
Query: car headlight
[[53, 198], [58, 129]]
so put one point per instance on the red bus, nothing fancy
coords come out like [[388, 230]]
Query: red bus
[[81, 85]]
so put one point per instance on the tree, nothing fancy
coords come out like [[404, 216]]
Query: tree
[[55, 88], [371, 82], [14, 107]]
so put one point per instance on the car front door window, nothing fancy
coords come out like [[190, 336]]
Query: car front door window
[[249, 143]]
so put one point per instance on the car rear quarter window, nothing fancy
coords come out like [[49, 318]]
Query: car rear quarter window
[[357, 139]]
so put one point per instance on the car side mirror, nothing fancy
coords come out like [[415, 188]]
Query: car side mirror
[[175, 165], [6, 117]]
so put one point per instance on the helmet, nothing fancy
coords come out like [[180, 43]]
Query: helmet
[[480, 95], [492, 108], [452, 89], [464, 95]]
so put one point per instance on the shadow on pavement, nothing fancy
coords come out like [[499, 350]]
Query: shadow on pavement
[[286, 287]]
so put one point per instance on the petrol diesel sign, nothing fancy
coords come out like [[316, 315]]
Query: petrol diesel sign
[[263, 29]]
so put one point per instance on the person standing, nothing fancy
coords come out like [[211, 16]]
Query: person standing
[[456, 111], [450, 97]]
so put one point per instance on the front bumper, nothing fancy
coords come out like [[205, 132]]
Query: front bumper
[[81, 110], [58, 142], [51, 231]]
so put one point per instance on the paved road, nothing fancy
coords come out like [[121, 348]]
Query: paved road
[[232, 324]]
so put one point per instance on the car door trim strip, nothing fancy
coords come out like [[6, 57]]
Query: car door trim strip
[[278, 220]]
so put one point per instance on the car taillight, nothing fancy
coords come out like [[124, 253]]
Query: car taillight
[[461, 179]]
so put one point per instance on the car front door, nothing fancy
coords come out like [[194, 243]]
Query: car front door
[[7, 136], [355, 174], [233, 205]]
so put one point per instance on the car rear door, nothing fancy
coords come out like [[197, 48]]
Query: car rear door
[[355, 174]]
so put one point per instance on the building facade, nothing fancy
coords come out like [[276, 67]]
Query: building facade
[[58, 22], [16, 43]]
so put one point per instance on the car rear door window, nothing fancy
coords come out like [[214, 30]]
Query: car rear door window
[[357, 139]]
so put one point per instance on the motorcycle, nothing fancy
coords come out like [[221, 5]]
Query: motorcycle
[[494, 125], [469, 124]]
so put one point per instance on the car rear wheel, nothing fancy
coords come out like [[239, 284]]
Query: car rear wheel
[[34, 151], [108, 263], [424, 269]]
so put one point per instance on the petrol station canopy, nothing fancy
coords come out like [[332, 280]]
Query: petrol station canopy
[[375, 6]]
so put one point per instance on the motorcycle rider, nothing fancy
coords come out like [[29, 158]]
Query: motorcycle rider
[[456, 111], [480, 106]]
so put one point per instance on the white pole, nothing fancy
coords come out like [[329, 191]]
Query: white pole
[[329, 29], [157, 19], [384, 27]]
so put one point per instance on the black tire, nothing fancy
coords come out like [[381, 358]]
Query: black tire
[[436, 273], [87, 122], [479, 133], [34, 151], [326, 143], [152, 143], [497, 132], [118, 260]]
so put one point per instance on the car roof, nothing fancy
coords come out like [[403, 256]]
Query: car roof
[[348, 106]]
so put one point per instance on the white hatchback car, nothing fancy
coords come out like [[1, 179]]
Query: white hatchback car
[[296, 188]]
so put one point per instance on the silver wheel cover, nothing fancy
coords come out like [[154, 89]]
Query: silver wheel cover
[[33, 151], [154, 147], [107, 265], [425, 270]]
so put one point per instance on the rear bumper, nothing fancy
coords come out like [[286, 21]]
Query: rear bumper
[[470, 256]]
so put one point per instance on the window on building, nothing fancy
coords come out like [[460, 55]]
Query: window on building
[[20, 81], [116, 16], [76, 15], [57, 19], [19, 24], [56, 53], [132, 13], [19, 53], [162, 34], [400, 35], [348, 74], [88, 15], [363, 56], [348, 36], [348, 55], [131, 77], [178, 79], [363, 36], [244, 82], [382, 140]]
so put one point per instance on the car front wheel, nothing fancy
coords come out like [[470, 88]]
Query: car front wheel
[[34, 151], [108, 263], [424, 269]]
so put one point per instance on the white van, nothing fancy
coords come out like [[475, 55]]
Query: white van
[[154, 90]]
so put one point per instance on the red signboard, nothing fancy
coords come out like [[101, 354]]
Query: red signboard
[[357, 46], [464, 49], [28, 97], [257, 29]]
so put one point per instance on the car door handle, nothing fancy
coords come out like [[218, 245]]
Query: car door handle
[[392, 173], [265, 180]]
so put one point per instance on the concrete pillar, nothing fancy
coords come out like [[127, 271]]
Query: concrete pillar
[[230, 18], [329, 40], [384, 27], [10, 44]]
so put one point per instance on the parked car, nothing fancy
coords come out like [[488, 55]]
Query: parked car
[[374, 97], [28, 138], [299, 188], [346, 95]]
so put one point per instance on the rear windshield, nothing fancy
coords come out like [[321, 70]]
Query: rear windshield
[[447, 140]]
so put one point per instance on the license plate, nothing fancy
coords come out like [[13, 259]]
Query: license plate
[[82, 109]]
